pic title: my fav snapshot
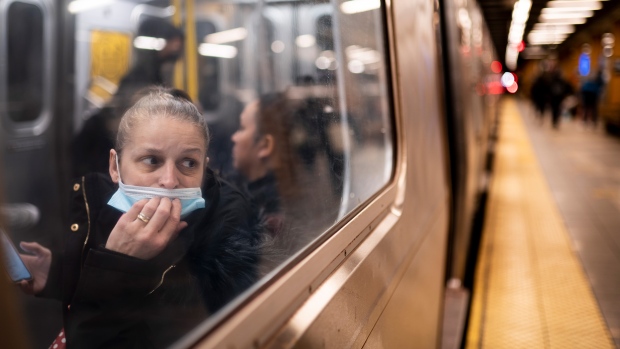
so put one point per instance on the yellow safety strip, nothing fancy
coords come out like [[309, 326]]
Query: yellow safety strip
[[530, 290]]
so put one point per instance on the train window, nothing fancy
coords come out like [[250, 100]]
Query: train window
[[296, 97], [25, 65]]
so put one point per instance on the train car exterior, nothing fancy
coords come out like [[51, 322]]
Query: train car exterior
[[388, 143], [470, 117]]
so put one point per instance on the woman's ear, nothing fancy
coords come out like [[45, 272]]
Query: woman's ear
[[206, 162], [266, 146], [112, 166]]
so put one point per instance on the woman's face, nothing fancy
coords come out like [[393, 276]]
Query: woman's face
[[245, 152], [162, 153]]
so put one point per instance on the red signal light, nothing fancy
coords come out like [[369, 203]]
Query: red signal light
[[496, 67], [521, 46]]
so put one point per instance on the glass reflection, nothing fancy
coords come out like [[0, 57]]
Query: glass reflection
[[295, 97]]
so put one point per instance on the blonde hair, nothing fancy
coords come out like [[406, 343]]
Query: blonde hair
[[159, 102]]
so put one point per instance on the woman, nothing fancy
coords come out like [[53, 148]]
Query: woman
[[264, 156], [154, 247]]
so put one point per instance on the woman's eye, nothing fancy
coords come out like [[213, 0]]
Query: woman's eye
[[189, 163], [149, 160]]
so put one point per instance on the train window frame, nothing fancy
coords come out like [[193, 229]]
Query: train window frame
[[296, 279], [39, 125]]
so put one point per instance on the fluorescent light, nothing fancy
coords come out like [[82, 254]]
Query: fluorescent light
[[538, 34], [563, 15], [582, 5], [149, 43], [83, 5], [227, 36], [545, 38], [561, 10], [305, 40], [356, 6], [214, 50], [520, 15], [555, 28], [556, 21]]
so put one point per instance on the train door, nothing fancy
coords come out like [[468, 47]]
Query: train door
[[27, 134]]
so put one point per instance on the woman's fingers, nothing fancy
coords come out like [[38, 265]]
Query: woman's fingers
[[170, 228], [135, 209], [160, 215], [27, 287], [147, 228], [30, 247], [34, 248]]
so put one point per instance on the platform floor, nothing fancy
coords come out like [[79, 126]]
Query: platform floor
[[548, 274]]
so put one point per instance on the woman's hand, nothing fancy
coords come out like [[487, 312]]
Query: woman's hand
[[38, 262], [147, 236]]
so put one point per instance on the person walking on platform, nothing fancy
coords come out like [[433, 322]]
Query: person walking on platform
[[539, 95], [559, 89], [590, 92]]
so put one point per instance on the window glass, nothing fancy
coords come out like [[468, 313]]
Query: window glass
[[25, 62], [295, 95]]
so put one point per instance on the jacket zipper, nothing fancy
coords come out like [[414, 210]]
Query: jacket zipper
[[88, 216], [162, 279]]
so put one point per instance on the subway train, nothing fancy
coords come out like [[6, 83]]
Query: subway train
[[393, 106]]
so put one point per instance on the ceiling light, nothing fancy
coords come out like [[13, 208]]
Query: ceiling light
[[553, 30], [563, 15], [356, 6], [214, 50], [227, 36], [520, 15], [556, 21], [570, 9], [587, 5], [149, 43], [305, 40], [552, 11], [84, 5]]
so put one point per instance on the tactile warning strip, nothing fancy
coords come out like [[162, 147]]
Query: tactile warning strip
[[530, 290]]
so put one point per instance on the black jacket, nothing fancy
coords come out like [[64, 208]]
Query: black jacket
[[114, 300]]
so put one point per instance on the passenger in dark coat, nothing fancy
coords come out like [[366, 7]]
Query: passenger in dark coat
[[590, 92], [559, 89], [130, 280], [539, 95]]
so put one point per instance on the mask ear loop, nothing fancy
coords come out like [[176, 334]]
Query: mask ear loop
[[118, 170]]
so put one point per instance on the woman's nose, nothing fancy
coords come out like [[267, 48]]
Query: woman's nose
[[169, 178]]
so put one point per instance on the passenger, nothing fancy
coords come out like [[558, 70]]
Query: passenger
[[559, 89], [262, 156], [91, 145], [590, 92], [539, 95], [267, 164], [154, 247]]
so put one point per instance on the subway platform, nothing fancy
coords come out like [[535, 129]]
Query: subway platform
[[548, 272]]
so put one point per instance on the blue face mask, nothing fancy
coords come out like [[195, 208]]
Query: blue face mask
[[127, 195]]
